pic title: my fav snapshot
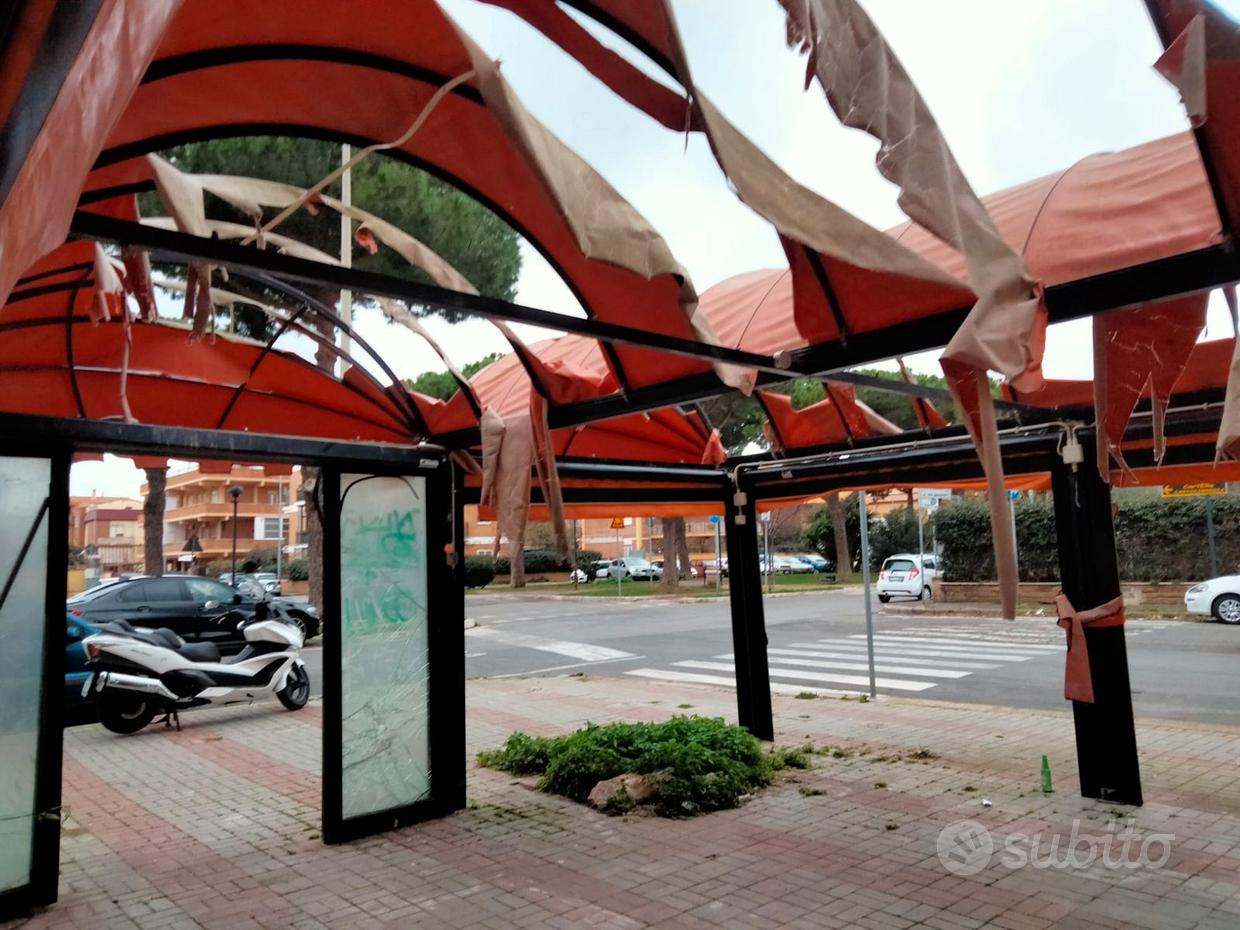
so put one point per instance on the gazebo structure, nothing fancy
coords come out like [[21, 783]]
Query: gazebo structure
[[604, 414]]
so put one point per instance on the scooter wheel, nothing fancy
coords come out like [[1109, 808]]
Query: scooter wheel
[[126, 713], [296, 690]]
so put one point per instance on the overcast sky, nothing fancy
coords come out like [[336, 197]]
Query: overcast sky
[[1020, 89]]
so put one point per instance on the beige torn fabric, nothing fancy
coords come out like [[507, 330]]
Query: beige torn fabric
[[109, 292], [869, 89], [183, 198], [1183, 64], [252, 195], [507, 457], [605, 226], [549, 478], [799, 214]]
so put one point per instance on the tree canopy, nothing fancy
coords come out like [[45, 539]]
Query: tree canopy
[[441, 384], [740, 418], [475, 241]]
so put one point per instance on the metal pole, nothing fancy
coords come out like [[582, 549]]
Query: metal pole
[[235, 493], [620, 575], [718, 560], [921, 541], [346, 247], [766, 554], [1210, 537], [279, 527], [1015, 541], [865, 580]]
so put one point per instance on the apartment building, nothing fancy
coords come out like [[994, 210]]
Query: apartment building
[[110, 528], [198, 515]]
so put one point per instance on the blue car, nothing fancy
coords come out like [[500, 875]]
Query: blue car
[[78, 709]]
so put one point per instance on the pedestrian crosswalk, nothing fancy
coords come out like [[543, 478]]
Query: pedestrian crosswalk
[[906, 661]]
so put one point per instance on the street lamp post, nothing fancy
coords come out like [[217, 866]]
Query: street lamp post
[[235, 493]]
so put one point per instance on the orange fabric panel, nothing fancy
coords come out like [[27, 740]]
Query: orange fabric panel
[[815, 425], [445, 416], [173, 382], [460, 139], [35, 215], [1178, 474], [1106, 212]]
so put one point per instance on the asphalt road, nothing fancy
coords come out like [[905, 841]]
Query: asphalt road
[[1179, 670]]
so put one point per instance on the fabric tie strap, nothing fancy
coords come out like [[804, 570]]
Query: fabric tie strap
[[1078, 683]]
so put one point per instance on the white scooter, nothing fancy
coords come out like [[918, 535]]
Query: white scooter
[[139, 673]]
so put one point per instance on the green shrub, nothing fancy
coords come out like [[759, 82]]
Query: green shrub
[[479, 571], [696, 764], [1156, 539], [297, 570]]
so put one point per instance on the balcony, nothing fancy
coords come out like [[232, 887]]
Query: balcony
[[219, 548], [220, 511]]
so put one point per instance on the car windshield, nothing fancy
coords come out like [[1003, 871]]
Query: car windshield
[[898, 565]]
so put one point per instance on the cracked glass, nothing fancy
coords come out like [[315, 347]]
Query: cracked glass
[[385, 669], [23, 586]]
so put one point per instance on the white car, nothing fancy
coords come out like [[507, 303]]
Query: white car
[[1218, 598], [630, 567], [905, 575]]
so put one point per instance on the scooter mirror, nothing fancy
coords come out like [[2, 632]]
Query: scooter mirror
[[210, 605]]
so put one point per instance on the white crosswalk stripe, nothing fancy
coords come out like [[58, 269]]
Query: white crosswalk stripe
[[585, 651], [905, 661]]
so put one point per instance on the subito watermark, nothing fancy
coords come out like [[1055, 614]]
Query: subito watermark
[[966, 847]]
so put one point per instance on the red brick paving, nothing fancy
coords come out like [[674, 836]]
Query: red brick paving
[[218, 827]]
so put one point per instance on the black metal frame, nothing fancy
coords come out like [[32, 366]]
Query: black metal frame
[[445, 645], [44, 883], [1106, 737], [58, 438], [749, 641]]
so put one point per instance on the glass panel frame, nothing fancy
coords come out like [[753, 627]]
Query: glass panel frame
[[353, 808], [41, 546]]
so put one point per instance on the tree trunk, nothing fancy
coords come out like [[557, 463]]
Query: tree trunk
[[843, 559], [311, 477], [671, 552], [682, 547], [153, 520]]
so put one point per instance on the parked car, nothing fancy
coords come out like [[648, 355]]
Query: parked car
[[79, 707], [905, 575], [816, 562], [658, 566], [189, 605], [629, 567], [270, 582], [580, 575], [1218, 598]]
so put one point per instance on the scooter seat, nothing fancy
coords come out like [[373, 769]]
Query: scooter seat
[[200, 652]]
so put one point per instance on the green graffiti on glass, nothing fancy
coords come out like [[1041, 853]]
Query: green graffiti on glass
[[378, 556]]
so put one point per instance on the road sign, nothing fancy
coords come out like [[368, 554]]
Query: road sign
[[1200, 489], [617, 523], [765, 516], [714, 518], [1013, 495], [929, 498]]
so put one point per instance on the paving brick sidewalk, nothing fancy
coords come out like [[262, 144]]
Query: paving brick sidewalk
[[217, 827]]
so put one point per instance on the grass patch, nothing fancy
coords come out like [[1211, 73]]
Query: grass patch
[[806, 695], [696, 764], [923, 755], [808, 792]]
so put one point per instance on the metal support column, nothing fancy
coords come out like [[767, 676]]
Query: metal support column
[[1106, 739], [753, 684]]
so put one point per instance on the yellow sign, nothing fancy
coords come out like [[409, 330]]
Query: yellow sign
[[617, 523], [1201, 489]]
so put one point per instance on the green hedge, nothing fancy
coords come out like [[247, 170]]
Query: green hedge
[[542, 561], [479, 571], [1156, 539]]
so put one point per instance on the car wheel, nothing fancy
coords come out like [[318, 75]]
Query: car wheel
[[1226, 608], [884, 598], [926, 594], [126, 713]]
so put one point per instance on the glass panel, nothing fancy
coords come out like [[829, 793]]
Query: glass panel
[[384, 653], [23, 491]]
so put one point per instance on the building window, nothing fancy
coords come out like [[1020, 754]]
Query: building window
[[272, 528]]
